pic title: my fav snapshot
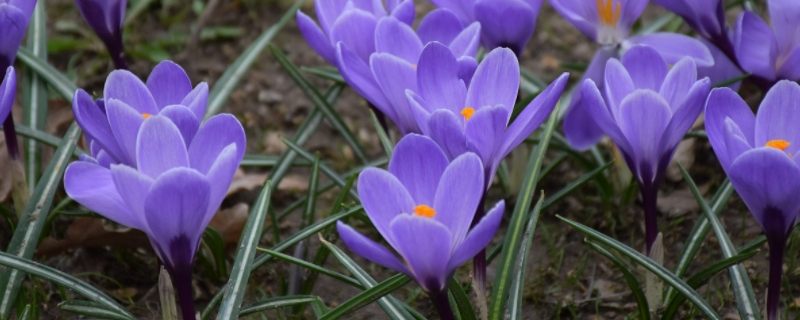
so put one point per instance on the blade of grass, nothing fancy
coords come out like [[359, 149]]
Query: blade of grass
[[329, 73], [513, 237], [57, 80], [648, 264], [462, 303], [514, 308], [388, 147], [258, 160], [574, 185], [274, 303], [740, 282], [34, 93], [633, 283], [325, 169], [368, 296], [229, 81], [62, 279], [319, 103], [26, 236], [240, 273], [26, 313], [314, 267], [311, 204], [44, 137], [91, 309]]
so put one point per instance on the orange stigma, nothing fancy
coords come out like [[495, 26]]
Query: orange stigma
[[414, 65], [146, 115], [778, 144], [424, 211], [467, 113], [607, 13]]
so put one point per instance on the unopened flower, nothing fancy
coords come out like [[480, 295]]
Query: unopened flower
[[106, 17], [14, 18], [647, 111], [772, 54], [423, 207], [172, 172], [758, 153], [608, 22]]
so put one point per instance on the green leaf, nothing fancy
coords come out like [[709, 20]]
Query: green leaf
[[368, 296], [325, 169], [633, 283], [387, 144], [462, 303], [260, 160], [216, 246], [657, 25], [44, 137], [63, 279], [574, 185], [319, 103], [314, 267], [229, 81], [740, 282], [56, 79], [648, 264], [26, 313], [505, 272], [329, 73], [91, 309], [26, 236], [235, 289], [311, 204], [514, 308], [391, 306], [727, 82], [274, 303], [34, 93]]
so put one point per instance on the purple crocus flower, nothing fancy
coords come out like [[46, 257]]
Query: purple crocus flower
[[504, 23], [385, 75], [646, 111], [112, 124], [423, 206], [706, 17], [159, 171], [771, 54], [14, 18], [8, 89], [350, 21], [106, 18], [756, 153], [608, 22]]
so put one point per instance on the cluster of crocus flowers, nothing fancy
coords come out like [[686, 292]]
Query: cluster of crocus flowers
[[608, 22], [756, 152], [106, 17], [423, 207], [155, 166], [505, 23], [647, 110], [380, 64], [14, 18]]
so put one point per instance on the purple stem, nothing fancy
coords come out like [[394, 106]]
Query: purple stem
[[649, 200], [479, 261], [182, 281], [776, 253], [11, 137], [381, 117], [442, 303]]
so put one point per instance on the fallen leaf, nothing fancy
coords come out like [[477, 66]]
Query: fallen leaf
[[92, 232], [230, 222]]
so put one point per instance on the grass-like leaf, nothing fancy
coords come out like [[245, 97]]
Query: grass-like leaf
[[56, 79], [43, 137], [505, 267], [329, 73], [274, 303], [26, 236], [319, 103], [325, 169], [34, 93], [387, 144], [648, 264], [574, 185], [462, 304], [314, 267], [91, 309], [515, 296], [633, 283], [240, 273], [230, 79], [740, 282], [368, 296]]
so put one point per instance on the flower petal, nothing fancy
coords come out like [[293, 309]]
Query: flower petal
[[723, 104], [418, 163], [405, 12], [93, 187], [496, 81], [94, 122], [384, 197], [425, 246], [644, 117], [419, 108], [359, 76], [126, 87], [685, 115], [783, 17], [582, 14], [533, 115], [755, 45], [679, 80], [440, 25], [506, 23], [594, 104], [398, 39], [394, 76], [356, 29], [673, 47], [369, 249], [328, 11], [8, 89], [133, 187], [160, 147], [219, 177], [197, 100], [777, 116], [459, 194], [477, 238], [645, 66], [466, 43], [125, 123], [485, 132], [437, 74], [315, 38], [448, 131], [168, 84], [215, 135], [184, 119]]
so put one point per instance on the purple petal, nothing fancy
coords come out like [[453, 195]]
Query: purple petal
[[368, 249], [756, 46], [174, 207], [767, 179], [618, 85], [580, 129], [398, 39], [722, 104], [594, 104], [673, 47], [679, 80], [394, 76], [582, 14], [463, 9], [425, 246], [8, 89], [126, 87], [93, 187], [448, 131], [790, 68], [133, 187], [534, 114], [13, 24], [466, 43], [359, 76], [506, 23], [94, 121], [777, 116], [405, 12], [168, 84], [631, 10], [125, 123], [215, 135], [419, 108], [184, 119], [479, 237], [197, 100], [437, 74], [219, 177], [685, 114], [356, 29], [485, 132], [440, 25], [496, 81], [723, 68], [644, 116], [160, 147], [95, 12], [418, 163], [466, 69], [735, 142], [459, 195], [645, 66], [384, 197], [315, 38], [328, 11], [783, 17]]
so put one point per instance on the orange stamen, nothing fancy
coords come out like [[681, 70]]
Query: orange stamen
[[424, 211], [778, 144], [467, 113], [607, 13], [146, 115]]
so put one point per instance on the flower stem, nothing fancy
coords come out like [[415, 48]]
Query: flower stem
[[442, 303], [182, 281], [649, 200], [776, 253], [11, 138]]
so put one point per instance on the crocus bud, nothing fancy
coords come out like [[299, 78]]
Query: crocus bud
[[106, 18]]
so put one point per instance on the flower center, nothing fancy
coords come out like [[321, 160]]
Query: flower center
[[607, 13], [467, 113], [424, 211], [146, 115], [778, 144]]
